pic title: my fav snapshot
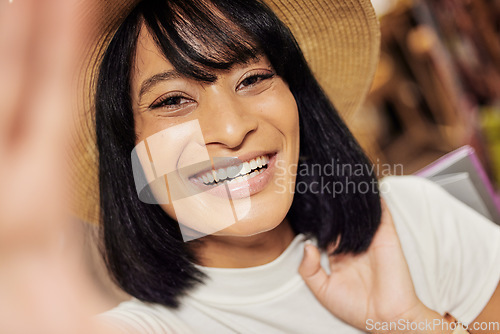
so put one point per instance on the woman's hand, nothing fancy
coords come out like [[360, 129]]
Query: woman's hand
[[35, 86], [371, 287], [38, 272]]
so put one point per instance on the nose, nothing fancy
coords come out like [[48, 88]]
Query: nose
[[227, 120]]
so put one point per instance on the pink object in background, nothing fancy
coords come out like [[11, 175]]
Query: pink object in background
[[460, 173]]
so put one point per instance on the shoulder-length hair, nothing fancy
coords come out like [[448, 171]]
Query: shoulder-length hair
[[143, 246]]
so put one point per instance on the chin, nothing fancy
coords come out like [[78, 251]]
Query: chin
[[259, 220]]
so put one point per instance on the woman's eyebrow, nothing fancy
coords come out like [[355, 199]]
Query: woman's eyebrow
[[155, 79]]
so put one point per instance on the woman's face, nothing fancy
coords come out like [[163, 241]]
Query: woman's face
[[203, 135]]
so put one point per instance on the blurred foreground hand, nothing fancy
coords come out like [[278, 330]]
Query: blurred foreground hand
[[40, 283]]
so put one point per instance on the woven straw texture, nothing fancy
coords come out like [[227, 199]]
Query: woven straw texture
[[340, 40]]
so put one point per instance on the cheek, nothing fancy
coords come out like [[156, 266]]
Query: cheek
[[278, 108], [171, 143], [289, 118], [171, 149], [284, 116], [147, 125]]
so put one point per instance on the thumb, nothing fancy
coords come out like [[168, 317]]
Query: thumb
[[311, 270]]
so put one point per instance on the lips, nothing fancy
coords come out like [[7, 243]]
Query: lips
[[242, 177]]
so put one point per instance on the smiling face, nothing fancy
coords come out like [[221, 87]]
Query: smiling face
[[228, 147]]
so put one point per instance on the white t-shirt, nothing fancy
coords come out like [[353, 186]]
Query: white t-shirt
[[453, 254]]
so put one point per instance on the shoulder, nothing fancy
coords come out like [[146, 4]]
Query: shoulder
[[410, 200], [452, 251], [415, 200], [423, 210], [410, 190], [416, 204], [137, 317]]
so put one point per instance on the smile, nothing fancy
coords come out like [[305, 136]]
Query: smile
[[235, 174]]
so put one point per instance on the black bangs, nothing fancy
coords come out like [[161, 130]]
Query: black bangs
[[198, 37]]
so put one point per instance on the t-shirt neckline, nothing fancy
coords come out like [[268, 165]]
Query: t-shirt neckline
[[247, 285]]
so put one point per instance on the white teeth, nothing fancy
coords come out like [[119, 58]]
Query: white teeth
[[222, 174], [210, 177], [238, 173], [253, 164], [233, 171], [245, 169]]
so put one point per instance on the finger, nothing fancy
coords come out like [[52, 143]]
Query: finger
[[40, 169], [48, 109], [16, 30], [53, 73], [311, 270]]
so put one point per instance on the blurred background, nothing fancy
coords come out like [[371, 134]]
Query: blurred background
[[437, 85]]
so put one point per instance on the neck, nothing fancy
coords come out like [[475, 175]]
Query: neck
[[244, 252]]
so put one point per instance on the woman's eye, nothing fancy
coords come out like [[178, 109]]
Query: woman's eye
[[254, 80], [171, 102]]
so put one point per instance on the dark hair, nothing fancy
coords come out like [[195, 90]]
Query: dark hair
[[144, 250]]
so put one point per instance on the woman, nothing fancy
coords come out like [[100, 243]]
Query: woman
[[207, 92]]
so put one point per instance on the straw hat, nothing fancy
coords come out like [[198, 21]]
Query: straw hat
[[339, 38]]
